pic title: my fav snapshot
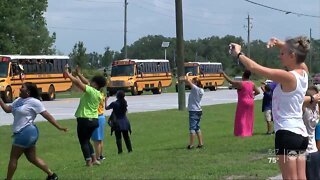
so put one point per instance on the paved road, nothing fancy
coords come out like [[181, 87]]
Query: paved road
[[65, 108]]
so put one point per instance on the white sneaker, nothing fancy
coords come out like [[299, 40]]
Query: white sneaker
[[96, 163]]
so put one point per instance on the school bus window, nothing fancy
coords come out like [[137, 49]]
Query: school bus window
[[150, 67], [191, 69], [4, 69], [155, 67], [55, 66], [122, 70]]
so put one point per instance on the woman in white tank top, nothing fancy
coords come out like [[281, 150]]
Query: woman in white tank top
[[291, 135]]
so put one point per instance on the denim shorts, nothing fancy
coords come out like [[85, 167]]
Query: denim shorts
[[194, 121], [98, 133], [26, 137]]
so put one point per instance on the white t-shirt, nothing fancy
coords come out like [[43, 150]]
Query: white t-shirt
[[25, 111], [287, 106], [195, 98], [311, 118]]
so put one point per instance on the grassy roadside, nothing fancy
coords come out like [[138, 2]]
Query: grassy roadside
[[159, 149]]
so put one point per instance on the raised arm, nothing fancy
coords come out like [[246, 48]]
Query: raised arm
[[6, 108], [81, 77], [188, 81], [236, 84], [76, 81], [275, 42], [281, 76], [256, 90], [51, 119]]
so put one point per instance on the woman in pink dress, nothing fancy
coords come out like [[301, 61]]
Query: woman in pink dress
[[243, 125]]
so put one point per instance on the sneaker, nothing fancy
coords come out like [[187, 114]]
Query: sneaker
[[96, 163], [101, 158], [53, 177], [200, 146], [269, 133], [190, 147]]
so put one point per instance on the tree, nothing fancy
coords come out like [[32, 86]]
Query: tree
[[23, 28], [94, 60], [78, 56], [108, 57]]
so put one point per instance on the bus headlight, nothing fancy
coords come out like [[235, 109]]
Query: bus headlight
[[130, 83], [1, 87]]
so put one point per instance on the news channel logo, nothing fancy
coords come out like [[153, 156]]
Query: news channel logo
[[290, 155]]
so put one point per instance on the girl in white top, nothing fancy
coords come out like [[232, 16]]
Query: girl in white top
[[311, 118], [25, 133], [287, 101]]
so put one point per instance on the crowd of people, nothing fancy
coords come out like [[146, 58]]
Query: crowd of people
[[290, 108]]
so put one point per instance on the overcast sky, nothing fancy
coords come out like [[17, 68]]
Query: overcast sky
[[99, 23]]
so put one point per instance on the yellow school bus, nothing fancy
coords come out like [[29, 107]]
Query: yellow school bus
[[45, 71], [136, 76], [209, 73]]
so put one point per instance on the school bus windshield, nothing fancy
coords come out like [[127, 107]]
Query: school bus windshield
[[4, 69], [122, 70], [192, 69]]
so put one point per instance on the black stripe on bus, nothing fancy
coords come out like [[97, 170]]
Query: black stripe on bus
[[17, 84], [38, 78]]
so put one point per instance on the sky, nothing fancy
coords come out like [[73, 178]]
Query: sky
[[100, 23]]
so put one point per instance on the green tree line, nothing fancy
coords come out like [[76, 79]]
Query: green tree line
[[211, 49]]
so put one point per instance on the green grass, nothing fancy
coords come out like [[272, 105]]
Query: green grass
[[159, 149]]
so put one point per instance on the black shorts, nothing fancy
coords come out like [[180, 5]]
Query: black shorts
[[287, 142]]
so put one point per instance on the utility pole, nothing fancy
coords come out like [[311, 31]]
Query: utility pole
[[249, 26], [180, 56], [310, 53], [125, 29]]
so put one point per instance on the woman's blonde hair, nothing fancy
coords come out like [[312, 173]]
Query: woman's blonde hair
[[299, 46]]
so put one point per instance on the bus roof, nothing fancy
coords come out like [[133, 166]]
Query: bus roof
[[203, 63], [35, 56], [145, 60]]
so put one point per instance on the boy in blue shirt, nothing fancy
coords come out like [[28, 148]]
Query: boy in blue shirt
[[267, 106]]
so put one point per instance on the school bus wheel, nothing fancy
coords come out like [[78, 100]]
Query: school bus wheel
[[134, 89], [7, 95], [51, 95], [157, 90], [213, 88]]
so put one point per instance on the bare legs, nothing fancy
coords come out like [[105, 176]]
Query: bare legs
[[192, 137], [269, 127], [98, 146], [292, 167], [199, 135], [30, 153]]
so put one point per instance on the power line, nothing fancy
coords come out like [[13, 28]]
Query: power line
[[81, 29], [198, 19], [98, 1], [281, 10], [85, 19]]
